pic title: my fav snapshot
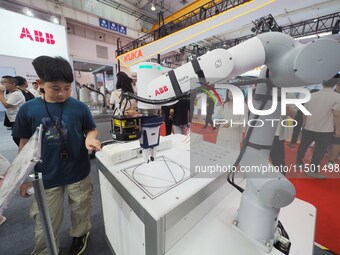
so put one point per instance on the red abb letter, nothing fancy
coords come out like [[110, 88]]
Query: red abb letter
[[38, 36], [49, 38], [25, 33]]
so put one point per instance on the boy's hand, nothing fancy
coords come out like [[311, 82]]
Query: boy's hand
[[23, 189], [92, 144]]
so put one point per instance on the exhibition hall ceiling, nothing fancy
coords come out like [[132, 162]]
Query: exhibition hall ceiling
[[167, 6], [285, 12], [293, 10]]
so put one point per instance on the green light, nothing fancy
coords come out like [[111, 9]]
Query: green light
[[146, 67], [159, 68]]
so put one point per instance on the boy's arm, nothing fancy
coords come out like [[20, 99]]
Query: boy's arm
[[91, 141], [22, 143]]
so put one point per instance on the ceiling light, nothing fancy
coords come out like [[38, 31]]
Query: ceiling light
[[314, 36], [324, 34], [153, 7], [305, 37], [54, 19], [28, 12]]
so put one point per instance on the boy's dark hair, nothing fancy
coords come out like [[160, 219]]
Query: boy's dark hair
[[20, 80], [51, 69], [11, 79]]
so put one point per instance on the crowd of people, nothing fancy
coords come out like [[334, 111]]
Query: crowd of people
[[320, 130], [100, 95], [321, 127]]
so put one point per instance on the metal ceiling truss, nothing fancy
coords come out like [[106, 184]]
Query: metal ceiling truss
[[304, 28], [327, 23], [205, 11], [186, 54], [312, 26], [230, 43]]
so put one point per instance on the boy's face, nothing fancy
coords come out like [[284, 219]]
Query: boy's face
[[56, 92]]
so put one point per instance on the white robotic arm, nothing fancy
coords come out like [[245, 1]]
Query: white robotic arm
[[290, 64], [215, 66]]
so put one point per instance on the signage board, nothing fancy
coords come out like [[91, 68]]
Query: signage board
[[28, 37]]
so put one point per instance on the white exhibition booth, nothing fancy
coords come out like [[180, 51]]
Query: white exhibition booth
[[25, 38]]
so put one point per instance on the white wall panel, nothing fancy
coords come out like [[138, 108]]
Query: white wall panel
[[84, 48]]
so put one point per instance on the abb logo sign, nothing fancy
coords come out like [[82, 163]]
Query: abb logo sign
[[161, 90], [38, 36]]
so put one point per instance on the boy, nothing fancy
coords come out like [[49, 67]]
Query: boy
[[68, 132]]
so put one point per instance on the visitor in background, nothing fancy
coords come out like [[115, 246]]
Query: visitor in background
[[22, 85], [12, 101]]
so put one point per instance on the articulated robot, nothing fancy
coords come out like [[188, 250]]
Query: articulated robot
[[290, 64]]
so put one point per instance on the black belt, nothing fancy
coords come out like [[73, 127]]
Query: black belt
[[174, 83], [199, 71]]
